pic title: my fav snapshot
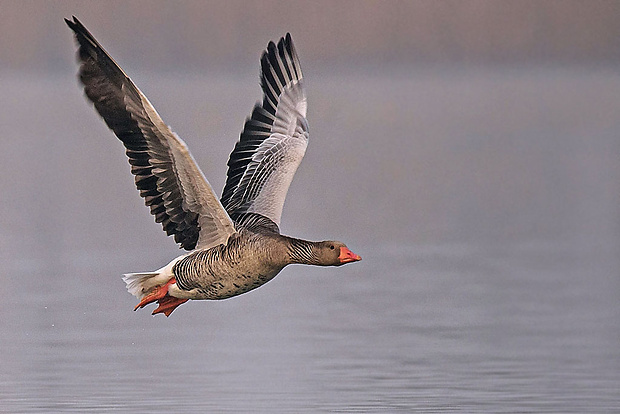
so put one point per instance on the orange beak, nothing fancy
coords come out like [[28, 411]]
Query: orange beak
[[347, 256]]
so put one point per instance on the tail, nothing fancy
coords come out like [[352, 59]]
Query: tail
[[141, 284], [149, 288]]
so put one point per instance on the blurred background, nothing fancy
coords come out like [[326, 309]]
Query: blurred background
[[449, 121], [197, 35], [468, 150]]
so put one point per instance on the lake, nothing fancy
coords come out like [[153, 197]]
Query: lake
[[484, 205]]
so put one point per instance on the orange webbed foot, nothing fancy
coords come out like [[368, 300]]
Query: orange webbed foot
[[167, 304], [160, 295]]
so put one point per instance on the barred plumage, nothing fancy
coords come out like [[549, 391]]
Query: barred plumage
[[300, 251]]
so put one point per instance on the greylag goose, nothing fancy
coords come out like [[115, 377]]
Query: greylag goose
[[234, 243]]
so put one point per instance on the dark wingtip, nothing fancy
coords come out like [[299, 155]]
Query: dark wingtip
[[271, 47], [71, 24], [76, 25], [290, 48]]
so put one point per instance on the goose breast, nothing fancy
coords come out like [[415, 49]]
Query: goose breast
[[246, 262]]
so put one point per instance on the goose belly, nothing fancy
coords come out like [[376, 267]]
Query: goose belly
[[213, 274], [234, 284]]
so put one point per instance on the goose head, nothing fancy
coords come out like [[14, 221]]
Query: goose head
[[334, 253]]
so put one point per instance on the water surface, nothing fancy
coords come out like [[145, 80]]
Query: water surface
[[484, 205]]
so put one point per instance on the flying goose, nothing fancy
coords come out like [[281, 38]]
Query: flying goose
[[234, 243]]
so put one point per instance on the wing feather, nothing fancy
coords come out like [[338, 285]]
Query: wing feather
[[273, 142], [167, 176]]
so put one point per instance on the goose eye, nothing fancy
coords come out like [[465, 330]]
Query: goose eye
[[332, 247]]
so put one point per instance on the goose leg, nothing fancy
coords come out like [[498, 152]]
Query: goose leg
[[160, 295]]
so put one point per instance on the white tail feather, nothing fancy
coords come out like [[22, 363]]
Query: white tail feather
[[140, 284], [137, 283]]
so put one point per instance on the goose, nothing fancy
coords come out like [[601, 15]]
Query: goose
[[233, 243]]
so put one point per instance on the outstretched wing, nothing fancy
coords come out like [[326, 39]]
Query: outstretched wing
[[167, 176], [273, 141]]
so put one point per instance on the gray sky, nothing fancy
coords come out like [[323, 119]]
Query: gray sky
[[192, 34], [517, 150]]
